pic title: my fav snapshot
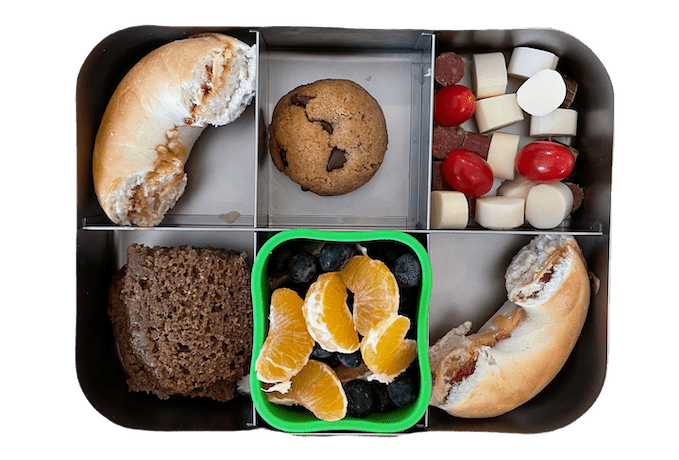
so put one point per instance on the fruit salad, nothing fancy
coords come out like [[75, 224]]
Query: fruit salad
[[341, 331]]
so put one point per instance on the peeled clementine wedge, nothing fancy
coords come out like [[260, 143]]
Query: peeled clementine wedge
[[375, 289], [288, 344], [327, 314], [385, 349], [317, 388]]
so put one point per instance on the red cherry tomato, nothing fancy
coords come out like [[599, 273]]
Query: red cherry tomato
[[467, 172], [453, 105], [545, 162]]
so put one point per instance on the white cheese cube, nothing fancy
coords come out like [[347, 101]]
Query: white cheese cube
[[502, 154], [449, 209], [499, 212], [547, 205], [526, 61], [560, 122], [489, 77], [519, 187], [542, 93], [497, 112]]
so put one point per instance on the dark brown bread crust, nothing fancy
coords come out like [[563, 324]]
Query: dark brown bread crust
[[182, 318]]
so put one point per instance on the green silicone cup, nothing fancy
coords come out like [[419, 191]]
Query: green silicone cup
[[295, 420]]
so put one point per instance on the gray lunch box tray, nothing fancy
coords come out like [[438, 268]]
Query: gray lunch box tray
[[230, 170]]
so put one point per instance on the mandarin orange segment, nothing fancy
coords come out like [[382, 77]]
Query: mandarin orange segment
[[288, 344], [385, 350], [327, 314], [376, 294], [317, 388]]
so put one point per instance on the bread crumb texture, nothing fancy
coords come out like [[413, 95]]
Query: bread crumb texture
[[182, 318]]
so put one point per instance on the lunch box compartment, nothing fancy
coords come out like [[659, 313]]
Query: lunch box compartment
[[393, 67]]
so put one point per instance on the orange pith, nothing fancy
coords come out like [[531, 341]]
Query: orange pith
[[385, 350], [317, 388], [327, 314], [288, 344], [376, 294]]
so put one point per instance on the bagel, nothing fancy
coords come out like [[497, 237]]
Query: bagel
[[524, 345], [155, 116]]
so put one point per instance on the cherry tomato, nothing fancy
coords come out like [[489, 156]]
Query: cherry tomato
[[453, 105], [467, 172], [545, 162]]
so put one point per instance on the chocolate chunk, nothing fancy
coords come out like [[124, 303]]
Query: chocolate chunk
[[300, 99], [337, 159], [284, 153], [477, 143], [326, 126]]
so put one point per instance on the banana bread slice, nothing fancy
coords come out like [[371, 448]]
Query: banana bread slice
[[182, 318]]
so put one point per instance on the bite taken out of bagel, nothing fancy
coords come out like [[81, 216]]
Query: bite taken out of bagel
[[524, 345], [156, 114]]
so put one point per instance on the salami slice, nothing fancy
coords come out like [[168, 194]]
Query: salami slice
[[477, 143], [571, 90], [446, 139], [449, 68]]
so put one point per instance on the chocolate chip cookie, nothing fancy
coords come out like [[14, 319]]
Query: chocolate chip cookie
[[329, 136]]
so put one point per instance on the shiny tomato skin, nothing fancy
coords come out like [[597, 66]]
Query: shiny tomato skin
[[453, 105], [467, 172], [545, 162]]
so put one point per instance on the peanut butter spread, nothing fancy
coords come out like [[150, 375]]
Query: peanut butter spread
[[169, 163], [503, 327]]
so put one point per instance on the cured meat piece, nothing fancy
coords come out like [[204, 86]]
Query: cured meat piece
[[437, 180], [449, 68], [446, 139], [477, 143], [578, 195], [571, 90]]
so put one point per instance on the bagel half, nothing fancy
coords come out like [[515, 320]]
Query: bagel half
[[155, 116], [527, 341]]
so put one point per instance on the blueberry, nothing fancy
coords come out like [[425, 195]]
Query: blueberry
[[302, 268], [280, 257], [360, 398], [383, 402], [387, 252], [350, 359], [407, 270], [331, 360], [320, 353], [334, 256], [403, 390]]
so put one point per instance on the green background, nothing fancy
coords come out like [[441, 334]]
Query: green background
[[43, 411]]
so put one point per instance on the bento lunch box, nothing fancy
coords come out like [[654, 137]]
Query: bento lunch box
[[231, 173]]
